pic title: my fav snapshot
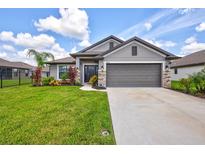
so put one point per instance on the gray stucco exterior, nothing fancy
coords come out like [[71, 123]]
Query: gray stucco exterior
[[53, 70], [143, 54], [101, 54]]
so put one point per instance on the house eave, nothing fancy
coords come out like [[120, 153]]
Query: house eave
[[188, 65]]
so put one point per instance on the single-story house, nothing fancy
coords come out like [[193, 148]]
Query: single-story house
[[60, 66], [185, 66], [118, 63], [10, 70]]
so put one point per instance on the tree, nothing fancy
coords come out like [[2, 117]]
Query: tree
[[40, 58]]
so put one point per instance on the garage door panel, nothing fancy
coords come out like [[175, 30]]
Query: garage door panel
[[134, 75]]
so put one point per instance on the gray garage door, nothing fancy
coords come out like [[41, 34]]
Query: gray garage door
[[133, 75]]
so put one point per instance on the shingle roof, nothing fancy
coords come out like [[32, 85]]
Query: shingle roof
[[22, 65], [196, 58], [6, 63], [142, 42], [67, 60], [97, 43]]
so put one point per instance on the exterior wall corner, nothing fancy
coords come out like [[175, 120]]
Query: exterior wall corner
[[166, 76], [101, 78]]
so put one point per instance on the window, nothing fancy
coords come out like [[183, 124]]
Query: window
[[175, 71], [134, 50], [62, 69], [26, 72], [15, 72], [111, 45]]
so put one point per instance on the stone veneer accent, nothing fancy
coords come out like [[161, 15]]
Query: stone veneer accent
[[101, 78], [166, 76], [78, 76]]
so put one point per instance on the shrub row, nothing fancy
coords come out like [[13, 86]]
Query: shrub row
[[194, 84]]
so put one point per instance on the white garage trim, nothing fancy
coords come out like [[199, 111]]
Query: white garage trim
[[135, 62]]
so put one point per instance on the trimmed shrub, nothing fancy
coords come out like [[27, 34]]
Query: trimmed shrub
[[54, 83], [199, 81], [64, 76], [186, 83], [77, 83], [47, 80], [93, 80]]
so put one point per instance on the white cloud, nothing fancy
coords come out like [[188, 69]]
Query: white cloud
[[177, 23], [185, 11], [74, 50], [84, 43], [139, 27], [200, 27], [192, 46], [42, 42], [72, 23], [6, 36], [8, 48], [162, 43], [3, 55], [27, 40], [190, 40], [148, 26]]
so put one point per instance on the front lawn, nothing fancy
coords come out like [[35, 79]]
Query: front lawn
[[14, 82], [53, 115]]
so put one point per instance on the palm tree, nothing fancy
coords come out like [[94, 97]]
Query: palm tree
[[40, 57]]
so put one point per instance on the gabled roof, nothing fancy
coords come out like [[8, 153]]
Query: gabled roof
[[23, 65], [197, 58], [142, 42], [67, 60], [99, 42], [6, 63]]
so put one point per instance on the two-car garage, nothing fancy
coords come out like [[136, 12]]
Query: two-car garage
[[134, 75]]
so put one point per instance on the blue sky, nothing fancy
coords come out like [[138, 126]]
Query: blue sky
[[62, 31]]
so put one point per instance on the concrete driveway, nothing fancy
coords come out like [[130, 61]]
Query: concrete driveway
[[156, 116]]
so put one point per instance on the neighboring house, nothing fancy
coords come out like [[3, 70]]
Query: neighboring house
[[11, 70], [188, 65], [45, 72], [118, 63], [60, 66]]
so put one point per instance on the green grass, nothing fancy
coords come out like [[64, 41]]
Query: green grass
[[8, 83], [53, 115]]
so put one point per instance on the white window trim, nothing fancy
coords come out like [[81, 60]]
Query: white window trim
[[84, 71], [58, 65], [163, 55]]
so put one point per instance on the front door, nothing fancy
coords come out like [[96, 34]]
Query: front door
[[89, 71]]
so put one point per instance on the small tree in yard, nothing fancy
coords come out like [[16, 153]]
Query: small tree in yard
[[72, 74], [40, 58], [37, 76]]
